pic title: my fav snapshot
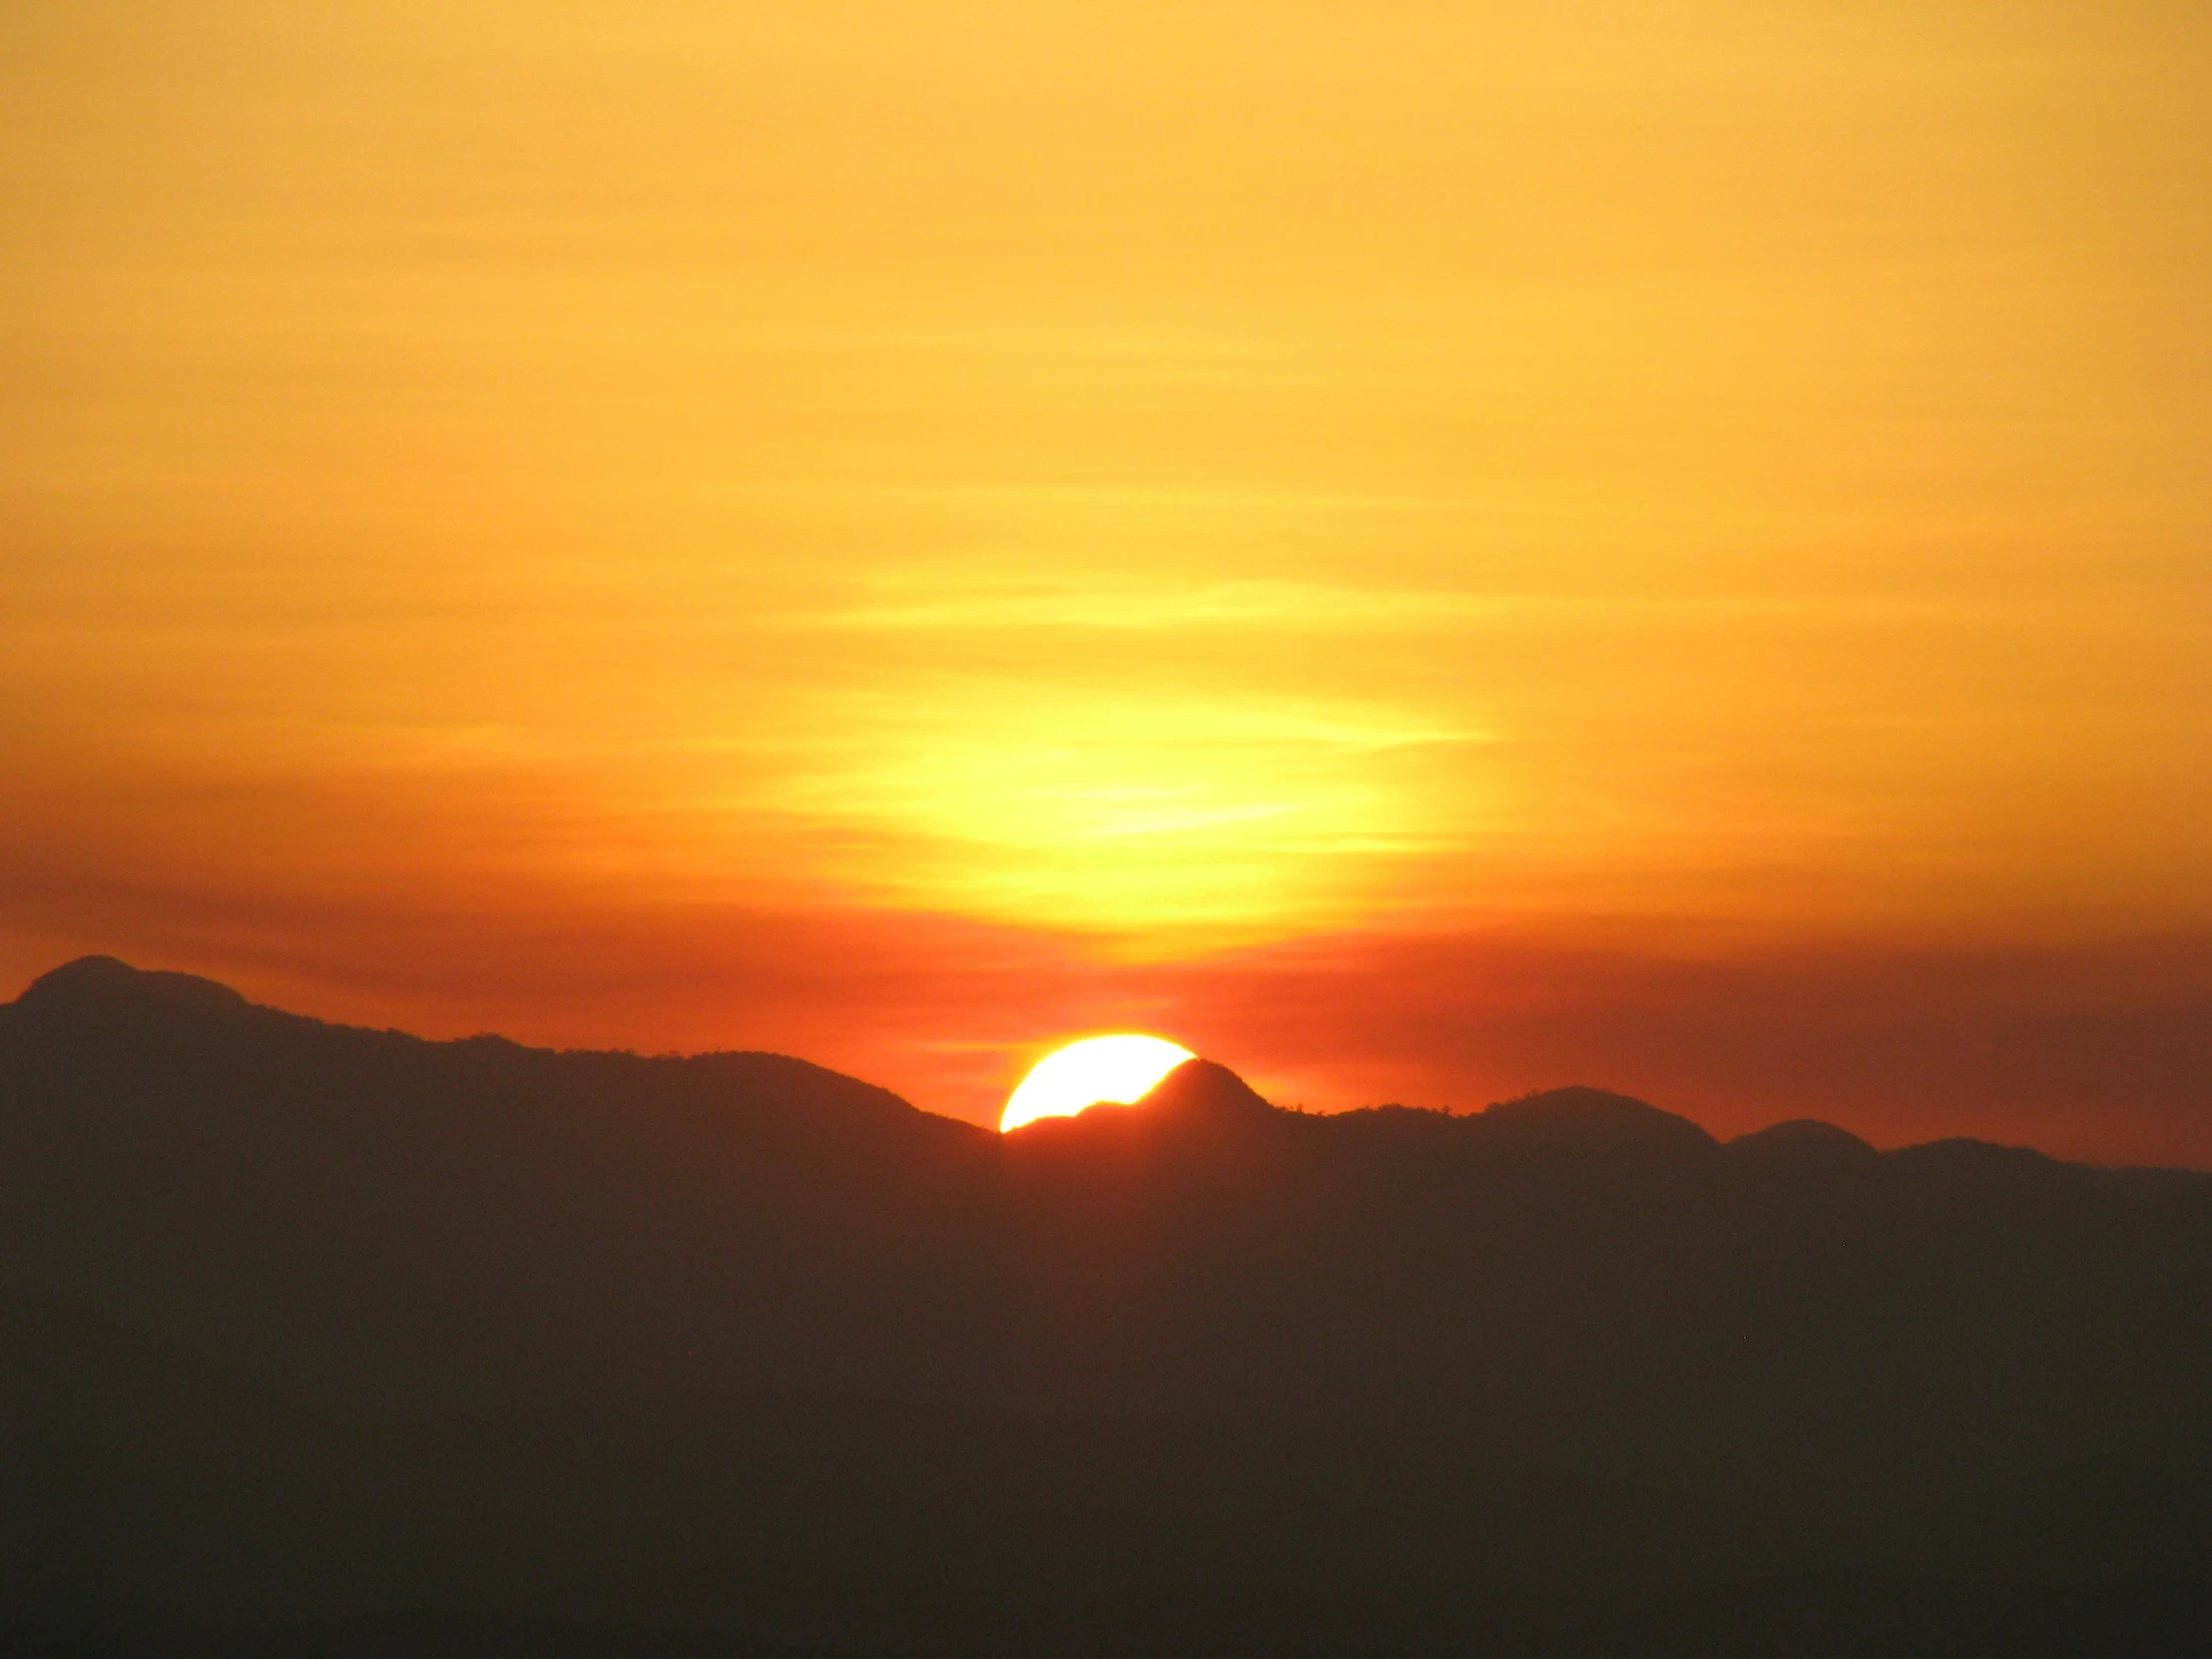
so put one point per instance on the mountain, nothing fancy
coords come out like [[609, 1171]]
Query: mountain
[[316, 1339]]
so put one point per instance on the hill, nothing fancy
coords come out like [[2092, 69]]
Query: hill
[[322, 1339]]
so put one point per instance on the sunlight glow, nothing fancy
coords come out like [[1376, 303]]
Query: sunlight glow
[[1119, 1070], [1163, 814]]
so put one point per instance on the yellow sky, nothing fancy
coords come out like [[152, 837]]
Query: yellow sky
[[1193, 475]]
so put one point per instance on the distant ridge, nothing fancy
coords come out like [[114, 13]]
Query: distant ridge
[[1198, 1096], [1202, 1088], [104, 982], [107, 988], [1588, 1118], [1806, 1147], [305, 1327], [1575, 1115], [1804, 1138]]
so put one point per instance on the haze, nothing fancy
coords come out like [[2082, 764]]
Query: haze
[[1429, 550]]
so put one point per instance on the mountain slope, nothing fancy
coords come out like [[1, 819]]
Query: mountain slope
[[308, 1323]]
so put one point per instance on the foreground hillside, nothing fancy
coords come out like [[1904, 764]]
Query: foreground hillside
[[320, 1339]]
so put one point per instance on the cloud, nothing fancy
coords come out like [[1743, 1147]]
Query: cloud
[[1217, 605]]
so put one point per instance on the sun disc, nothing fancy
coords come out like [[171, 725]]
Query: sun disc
[[1116, 1070]]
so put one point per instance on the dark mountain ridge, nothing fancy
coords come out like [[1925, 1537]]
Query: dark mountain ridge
[[305, 1323]]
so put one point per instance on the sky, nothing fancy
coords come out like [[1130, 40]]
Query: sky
[[1421, 550]]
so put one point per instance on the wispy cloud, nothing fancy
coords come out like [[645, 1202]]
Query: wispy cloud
[[1215, 605]]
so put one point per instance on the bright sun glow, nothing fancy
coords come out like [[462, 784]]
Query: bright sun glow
[[1116, 1069]]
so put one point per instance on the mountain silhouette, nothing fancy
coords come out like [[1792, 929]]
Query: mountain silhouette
[[320, 1339], [1201, 1090], [1805, 1144]]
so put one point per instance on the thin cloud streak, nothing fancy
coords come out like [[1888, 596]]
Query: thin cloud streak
[[1224, 605]]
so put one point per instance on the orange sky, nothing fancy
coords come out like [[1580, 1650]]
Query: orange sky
[[1423, 550]]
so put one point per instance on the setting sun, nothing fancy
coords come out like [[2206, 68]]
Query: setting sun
[[1116, 1070]]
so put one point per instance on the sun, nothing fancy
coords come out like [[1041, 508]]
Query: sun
[[1111, 1069]]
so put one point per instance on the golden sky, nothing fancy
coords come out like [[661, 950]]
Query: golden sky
[[500, 501]]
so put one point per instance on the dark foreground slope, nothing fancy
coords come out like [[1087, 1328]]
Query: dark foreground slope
[[325, 1341]]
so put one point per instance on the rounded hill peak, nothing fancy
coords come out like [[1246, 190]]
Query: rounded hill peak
[[1803, 1142], [1203, 1088], [1585, 1116], [1197, 1096], [105, 983]]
